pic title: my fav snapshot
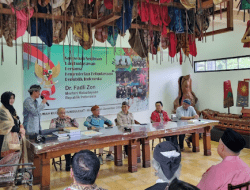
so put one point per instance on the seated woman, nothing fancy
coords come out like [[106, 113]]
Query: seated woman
[[10, 127], [60, 122]]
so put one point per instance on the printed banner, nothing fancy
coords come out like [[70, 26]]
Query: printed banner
[[78, 79], [242, 94], [228, 94]]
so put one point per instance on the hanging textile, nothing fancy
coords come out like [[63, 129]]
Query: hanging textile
[[192, 45], [112, 35], [45, 27], [176, 25], [172, 44], [124, 22], [22, 20]]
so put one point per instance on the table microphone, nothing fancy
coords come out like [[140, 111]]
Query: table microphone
[[46, 102]]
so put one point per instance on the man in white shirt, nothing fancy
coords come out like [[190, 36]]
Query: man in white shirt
[[185, 112]]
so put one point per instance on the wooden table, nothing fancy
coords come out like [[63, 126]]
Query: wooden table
[[157, 130], [40, 154]]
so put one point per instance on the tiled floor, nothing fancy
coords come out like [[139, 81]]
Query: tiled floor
[[118, 178]]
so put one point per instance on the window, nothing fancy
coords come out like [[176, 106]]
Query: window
[[226, 64]]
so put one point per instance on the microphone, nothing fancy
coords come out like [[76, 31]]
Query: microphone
[[46, 102]]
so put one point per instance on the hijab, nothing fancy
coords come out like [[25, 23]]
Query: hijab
[[5, 100]]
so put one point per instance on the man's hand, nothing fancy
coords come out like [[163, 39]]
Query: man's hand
[[44, 101], [68, 117], [93, 128], [196, 117]]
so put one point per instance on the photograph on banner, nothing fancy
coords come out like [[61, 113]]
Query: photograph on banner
[[78, 79]]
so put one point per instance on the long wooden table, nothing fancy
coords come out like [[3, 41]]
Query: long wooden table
[[41, 154]]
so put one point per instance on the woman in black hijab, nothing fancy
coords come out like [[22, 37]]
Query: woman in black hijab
[[9, 121]]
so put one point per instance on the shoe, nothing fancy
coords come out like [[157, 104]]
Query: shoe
[[188, 143], [67, 168], [100, 159], [182, 149], [110, 158]]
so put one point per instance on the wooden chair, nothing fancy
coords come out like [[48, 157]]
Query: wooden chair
[[240, 186]]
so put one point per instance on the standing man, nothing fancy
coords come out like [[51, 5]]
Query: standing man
[[96, 121], [159, 115], [185, 112], [31, 111]]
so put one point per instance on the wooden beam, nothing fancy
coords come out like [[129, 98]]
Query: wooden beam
[[49, 16], [145, 27], [230, 23], [106, 20], [220, 31]]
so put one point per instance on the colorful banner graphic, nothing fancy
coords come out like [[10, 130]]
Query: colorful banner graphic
[[77, 79], [242, 94], [228, 94]]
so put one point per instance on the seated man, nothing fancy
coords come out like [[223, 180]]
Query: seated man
[[159, 115], [166, 162], [232, 169], [60, 122], [125, 118], [85, 168], [185, 112], [96, 121]]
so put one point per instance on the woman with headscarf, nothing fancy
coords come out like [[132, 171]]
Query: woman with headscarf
[[10, 126]]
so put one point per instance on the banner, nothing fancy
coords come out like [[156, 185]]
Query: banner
[[228, 94], [78, 79], [242, 94]]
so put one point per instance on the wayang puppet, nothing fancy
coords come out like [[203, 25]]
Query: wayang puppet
[[185, 91]]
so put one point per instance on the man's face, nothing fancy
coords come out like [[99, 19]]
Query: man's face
[[61, 113], [158, 107], [36, 93], [125, 108], [185, 105], [96, 112]]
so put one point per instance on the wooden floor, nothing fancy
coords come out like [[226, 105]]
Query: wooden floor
[[118, 178]]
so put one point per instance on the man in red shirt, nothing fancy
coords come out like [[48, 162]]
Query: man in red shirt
[[159, 115]]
